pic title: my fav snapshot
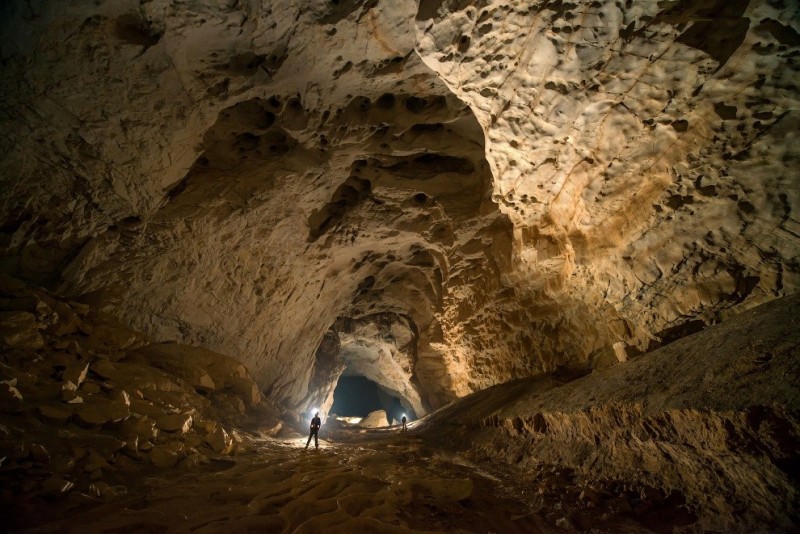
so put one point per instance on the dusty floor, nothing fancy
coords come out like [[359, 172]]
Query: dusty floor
[[375, 481]]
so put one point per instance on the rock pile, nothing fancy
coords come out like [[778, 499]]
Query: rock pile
[[85, 402], [375, 419]]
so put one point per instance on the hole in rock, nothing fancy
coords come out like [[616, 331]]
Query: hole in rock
[[358, 396]]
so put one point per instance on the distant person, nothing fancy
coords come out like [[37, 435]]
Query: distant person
[[403, 420], [315, 424]]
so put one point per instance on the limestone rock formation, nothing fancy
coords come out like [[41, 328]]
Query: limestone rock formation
[[215, 209], [374, 419], [708, 421], [512, 187]]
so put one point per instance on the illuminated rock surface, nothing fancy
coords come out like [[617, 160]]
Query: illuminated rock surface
[[251, 198]]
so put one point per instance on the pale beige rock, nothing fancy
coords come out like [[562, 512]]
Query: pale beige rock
[[374, 419], [71, 397]]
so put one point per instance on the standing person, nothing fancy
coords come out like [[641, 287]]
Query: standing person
[[315, 424], [404, 422]]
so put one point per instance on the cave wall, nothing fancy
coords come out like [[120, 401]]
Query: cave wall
[[522, 186], [645, 152]]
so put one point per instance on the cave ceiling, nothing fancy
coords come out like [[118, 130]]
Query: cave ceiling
[[440, 196]]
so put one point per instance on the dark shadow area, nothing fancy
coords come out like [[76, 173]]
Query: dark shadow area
[[358, 396]]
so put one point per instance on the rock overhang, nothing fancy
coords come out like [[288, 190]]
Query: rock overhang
[[529, 184]]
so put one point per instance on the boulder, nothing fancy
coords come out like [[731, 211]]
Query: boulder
[[111, 337], [96, 411], [56, 414], [145, 408], [220, 368], [220, 441], [375, 419], [100, 442], [131, 376], [67, 321], [80, 308], [39, 454], [247, 389], [142, 427], [163, 457], [194, 460], [104, 369], [20, 329], [176, 422], [90, 388]]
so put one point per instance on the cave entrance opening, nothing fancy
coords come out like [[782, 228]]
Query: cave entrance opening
[[358, 396]]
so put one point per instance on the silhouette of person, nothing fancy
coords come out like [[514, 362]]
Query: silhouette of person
[[315, 424], [404, 422]]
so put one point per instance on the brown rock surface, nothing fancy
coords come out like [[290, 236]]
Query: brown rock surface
[[178, 422], [20, 330], [710, 417], [224, 207], [475, 191]]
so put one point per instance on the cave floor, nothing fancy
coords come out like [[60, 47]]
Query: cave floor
[[371, 481]]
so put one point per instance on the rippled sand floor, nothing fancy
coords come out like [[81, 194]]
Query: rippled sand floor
[[374, 482]]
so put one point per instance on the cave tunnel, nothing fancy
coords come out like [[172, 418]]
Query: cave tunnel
[[358, 396]]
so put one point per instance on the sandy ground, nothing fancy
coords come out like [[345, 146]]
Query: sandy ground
[[358, 481], [375, 482]]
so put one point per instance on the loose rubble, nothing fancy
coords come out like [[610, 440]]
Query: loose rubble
[[86, 404]]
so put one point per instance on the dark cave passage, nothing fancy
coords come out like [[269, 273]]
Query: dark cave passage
[[358, 396]]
